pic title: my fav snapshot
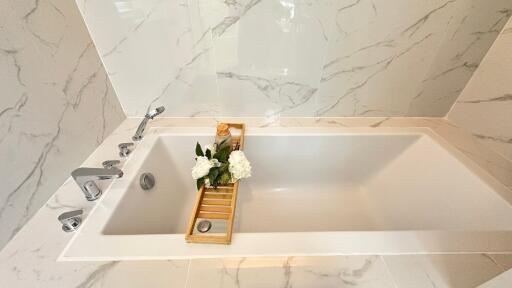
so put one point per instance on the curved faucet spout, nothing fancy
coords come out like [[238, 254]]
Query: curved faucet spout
[[85, 178]]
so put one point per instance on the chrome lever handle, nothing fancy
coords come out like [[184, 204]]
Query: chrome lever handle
[[124, 149], [110, 163], [71, 220]]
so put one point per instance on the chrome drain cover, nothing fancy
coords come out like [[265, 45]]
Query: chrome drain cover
[[147, 181], [204, 226]]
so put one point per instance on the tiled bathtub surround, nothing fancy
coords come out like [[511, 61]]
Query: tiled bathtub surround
[[485, 105], [292, 57], [56, 104], [30, 259]]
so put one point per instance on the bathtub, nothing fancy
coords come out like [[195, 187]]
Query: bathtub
[[314, 191]]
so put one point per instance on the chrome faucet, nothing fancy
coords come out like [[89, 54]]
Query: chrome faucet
[[71, 220], [85, 178], [142, 126]]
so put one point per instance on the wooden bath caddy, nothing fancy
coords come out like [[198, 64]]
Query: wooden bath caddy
[[217, 203]]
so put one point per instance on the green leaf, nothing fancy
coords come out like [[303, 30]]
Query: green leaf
[[224, 167], [199, 151], [208, 154], [199, 183], [223, 143], [223, 154], [213, 175], [224, 178]]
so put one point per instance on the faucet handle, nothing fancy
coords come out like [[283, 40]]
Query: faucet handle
[[124, 149], [71, 220], [110, 163]]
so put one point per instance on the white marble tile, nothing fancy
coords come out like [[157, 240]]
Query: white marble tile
[[269, 59], [292, 57], [485, 106], [150, 53], [441, 271], [334, 271], [471, 30], [57, 104], [33, 264], [383, 62], [142, 274], [237, 272], [371, 45]]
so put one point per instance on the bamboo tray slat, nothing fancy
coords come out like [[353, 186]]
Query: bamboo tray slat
[[216, 203], [220, 202]]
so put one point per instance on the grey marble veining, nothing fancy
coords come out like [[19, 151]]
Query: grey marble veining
[[485, 106], [292, 58], [29, 260], [287, 94], [57, 104], [434, 50], [335, 271]]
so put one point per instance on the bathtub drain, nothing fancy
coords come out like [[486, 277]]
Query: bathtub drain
[[204, 226], [147, 181]]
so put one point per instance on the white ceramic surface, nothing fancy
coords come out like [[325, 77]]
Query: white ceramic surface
[[397, 190], [56, 105], [29, 260], [292, 57], [503, 280]]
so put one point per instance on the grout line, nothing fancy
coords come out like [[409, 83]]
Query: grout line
[[388, 270]]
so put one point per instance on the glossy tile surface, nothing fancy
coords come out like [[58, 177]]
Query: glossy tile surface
[[335, 271], [270, 59], [384, 62], [442, 270], [149, 51], [485, 106], [292, 57], [56, 105], [30, 259]]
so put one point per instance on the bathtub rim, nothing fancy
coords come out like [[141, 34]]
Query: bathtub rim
[[337, 242]]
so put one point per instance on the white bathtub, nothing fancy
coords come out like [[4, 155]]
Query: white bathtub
[[314, 191]]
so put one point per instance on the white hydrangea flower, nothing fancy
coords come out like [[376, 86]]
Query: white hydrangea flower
[[212, 147], [239, 166], [202, 167]]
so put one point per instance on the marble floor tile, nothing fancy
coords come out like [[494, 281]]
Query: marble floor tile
[[339, 271], [142, 274], [441, 271], [237, 272]]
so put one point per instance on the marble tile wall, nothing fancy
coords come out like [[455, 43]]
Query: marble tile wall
[[56, 105], [292, 57], [485, 106], [30, 259]]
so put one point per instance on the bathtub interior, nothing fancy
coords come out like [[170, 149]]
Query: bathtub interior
[[332, 182]]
